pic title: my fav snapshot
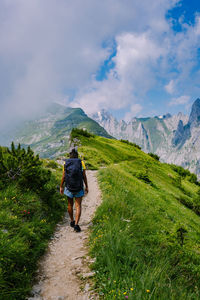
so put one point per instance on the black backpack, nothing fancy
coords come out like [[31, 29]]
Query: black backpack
[[73, 175]]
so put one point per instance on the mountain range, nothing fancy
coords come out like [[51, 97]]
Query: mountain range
[[176, 139]]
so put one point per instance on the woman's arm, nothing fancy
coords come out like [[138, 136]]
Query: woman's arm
[[62, 182], [85, 181]]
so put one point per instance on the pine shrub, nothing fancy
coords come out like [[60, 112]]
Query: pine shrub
[[22, 166], [30, 207]]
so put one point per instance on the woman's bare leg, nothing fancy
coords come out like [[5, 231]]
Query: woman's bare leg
[[78, 209], [70, 208]]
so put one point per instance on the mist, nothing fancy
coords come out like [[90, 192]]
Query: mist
[[51, 51]]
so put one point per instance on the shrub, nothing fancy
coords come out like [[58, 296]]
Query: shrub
[[130, 143], [193, 178], [30, 207], [180, 170], [155, 156], [76, 132], [184, 172], [52, 164], [22, 166], [143, 176], [193, 204]]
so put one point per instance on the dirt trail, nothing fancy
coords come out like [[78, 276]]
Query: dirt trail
[[66, 259]]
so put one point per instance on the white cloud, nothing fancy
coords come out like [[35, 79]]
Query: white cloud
[[137, 56], [52, 49], [142, 60], [134, 110], [111, 93], [182, 100], [184, 51], [170, 87]]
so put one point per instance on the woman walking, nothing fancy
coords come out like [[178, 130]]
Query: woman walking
[[74, 174]]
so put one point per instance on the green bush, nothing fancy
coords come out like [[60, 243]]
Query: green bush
[[193, 204], [30, 207], [155, 156], [143, 175], [76, 132], [193, 178], [22, 166], [180, 170], [52, 165], [184, 172], [130, 143]]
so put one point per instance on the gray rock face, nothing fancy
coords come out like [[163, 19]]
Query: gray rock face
[[176, 139], [181, 135], [178, 134], [148, 133], [194, 119]]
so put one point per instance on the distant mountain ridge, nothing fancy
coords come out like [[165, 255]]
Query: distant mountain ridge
[[48, 134], [176, 139], [149, 133]]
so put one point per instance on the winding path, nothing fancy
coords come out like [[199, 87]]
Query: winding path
[[66, 260]]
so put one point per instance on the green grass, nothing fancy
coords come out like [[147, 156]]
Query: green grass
[[145, 235], [30, 208], [98, 151], [136, 239], [26, 224]]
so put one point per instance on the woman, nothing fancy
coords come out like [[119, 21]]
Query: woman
[[74, 174]]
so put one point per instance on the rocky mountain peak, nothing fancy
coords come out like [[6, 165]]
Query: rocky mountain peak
[[194, 118], [102, 116], [167, 116], [178, 135], [181, 135]]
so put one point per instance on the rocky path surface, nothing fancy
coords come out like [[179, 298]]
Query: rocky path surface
[[63, 271]]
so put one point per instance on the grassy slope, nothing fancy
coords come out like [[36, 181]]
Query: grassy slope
[[100, 151], [146, 242], [26, 223]]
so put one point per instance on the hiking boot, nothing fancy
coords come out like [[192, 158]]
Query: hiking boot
[[72, 224], [77, 228]]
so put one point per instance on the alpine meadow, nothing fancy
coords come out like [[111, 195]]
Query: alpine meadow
[[145, 235], [100, 150]]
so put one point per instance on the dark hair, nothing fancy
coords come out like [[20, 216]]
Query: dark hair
[[73, 153]]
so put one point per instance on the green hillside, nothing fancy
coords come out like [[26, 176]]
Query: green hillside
[[30, 208], [48, 132], [145, 235]]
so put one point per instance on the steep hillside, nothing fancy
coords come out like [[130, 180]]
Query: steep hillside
[[30, 208], [48, 133], [145, 235]]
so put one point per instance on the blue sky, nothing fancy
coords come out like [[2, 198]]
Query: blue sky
[[157, 100], [129, 57], [186, 9]]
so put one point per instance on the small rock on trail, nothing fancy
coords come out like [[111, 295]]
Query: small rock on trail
[[66, 258]]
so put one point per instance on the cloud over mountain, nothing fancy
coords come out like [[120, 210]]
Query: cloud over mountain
[[52, 51]]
